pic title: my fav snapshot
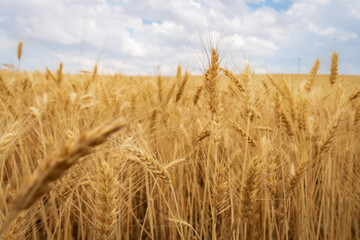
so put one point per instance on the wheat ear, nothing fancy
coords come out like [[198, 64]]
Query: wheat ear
[[178, 75], [160, 87], [330, 132], [357, 116], [8, 138], [302, 114], [19, 50], [169, 95], [355, 95], [94, 74], [313, 72], [49, 74], [4, 88], [150, 163], [286, 122], [334, 68], [182, 86], [295, 176], [197, 94], [220, 188], [233, 78], [204, 134], [55, 166], [106, 212], [210, 83], [59, 74], [19, 53], [249, 139], [250, 188], [271, 178]]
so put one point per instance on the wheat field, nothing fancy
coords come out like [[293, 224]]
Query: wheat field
[[226, 155]]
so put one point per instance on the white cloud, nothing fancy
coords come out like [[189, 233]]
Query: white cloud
[[6, 42], [138, 35], [255, 1], [354, 8], [195, 3], [261, 47]]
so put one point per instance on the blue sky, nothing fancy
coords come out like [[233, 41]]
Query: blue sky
[[136, 36], [279, 5]]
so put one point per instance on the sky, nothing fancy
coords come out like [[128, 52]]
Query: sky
[[145, 37]]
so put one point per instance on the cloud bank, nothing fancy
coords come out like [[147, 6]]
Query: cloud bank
[[136, 36]]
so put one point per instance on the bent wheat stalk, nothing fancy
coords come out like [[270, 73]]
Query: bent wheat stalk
[[54, 167]]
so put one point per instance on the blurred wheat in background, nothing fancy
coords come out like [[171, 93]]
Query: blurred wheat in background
[[227, 155]]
